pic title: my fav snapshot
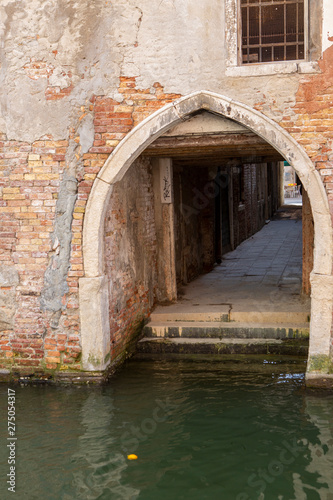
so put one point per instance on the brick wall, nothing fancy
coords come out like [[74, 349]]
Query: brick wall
[[196, 190], [30, 175], [251, 207], [30, 178], [130, 254], [194, 221], [310, 120]]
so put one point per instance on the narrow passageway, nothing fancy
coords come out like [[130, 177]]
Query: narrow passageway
[[264, 273]]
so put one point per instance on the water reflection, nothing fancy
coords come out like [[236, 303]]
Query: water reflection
[[98, 464], [201, 431], [320, 466]]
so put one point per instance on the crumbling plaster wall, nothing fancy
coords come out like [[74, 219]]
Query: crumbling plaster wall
[[327, 33], [56, 56], [83, 47]]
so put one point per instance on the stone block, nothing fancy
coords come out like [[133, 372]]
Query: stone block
[[95, 327]]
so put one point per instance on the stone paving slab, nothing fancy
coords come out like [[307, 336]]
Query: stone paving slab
[[264, 273]]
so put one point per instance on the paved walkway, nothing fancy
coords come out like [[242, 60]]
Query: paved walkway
[[264, 273]]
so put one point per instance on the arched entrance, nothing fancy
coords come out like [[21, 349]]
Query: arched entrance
[[93, 287]]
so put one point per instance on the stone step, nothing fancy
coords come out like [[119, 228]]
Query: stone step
[[216, 346], [227, 314], [188, 329], [276, 317], [205, 316]]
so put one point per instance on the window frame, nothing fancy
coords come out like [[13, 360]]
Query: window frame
[[239, 38], [313, 41]]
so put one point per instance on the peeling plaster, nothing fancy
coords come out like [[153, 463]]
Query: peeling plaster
[[55, 284], [327, 24], [86, 132], [89, 45], [9, 279]]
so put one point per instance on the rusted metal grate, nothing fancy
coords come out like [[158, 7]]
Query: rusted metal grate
[[272, 30]]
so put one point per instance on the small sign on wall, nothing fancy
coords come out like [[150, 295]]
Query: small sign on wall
[[166, 180]]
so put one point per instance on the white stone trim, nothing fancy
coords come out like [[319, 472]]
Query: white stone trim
[[233, 66], [154, 126], [273, 68], [95, 324], [321, 314], [262, 69], [327, 24]]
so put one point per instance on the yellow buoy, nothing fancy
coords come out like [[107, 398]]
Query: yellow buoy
[[132, 457]]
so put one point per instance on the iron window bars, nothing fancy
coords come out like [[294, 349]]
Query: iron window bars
[[272, 30]]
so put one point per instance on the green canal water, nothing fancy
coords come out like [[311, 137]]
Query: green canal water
[[200, 429]]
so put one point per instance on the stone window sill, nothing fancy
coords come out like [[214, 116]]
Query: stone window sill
[[282, 68]]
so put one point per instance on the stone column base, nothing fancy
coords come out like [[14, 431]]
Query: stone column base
[[320, 366], [95, 324]]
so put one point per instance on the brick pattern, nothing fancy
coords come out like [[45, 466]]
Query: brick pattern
[[198, 190], [55, 93], [113, 120], [41, 69], [249, 206], [29, 181], [194, 212], [30, 175], [38, 69], [310, 120], [130, 254]]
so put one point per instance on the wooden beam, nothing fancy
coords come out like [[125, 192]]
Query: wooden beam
[[213, 147]]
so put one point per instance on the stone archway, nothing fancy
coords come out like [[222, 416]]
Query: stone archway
[[93, 287]]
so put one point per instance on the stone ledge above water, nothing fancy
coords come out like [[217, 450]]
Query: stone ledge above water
[[225, 330], [217, 346]]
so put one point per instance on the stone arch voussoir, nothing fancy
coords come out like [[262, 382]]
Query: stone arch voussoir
[[93, 287]]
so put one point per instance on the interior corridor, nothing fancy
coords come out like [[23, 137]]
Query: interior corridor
[[264, 273]]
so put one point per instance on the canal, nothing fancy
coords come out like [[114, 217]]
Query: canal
[[200, 429]]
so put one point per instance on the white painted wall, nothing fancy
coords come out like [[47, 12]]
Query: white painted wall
[[180, 44], [327, 24]]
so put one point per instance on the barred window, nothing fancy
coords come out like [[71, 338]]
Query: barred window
[[272, 30]]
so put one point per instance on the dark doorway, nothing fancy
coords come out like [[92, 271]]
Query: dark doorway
[[222, 216]]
